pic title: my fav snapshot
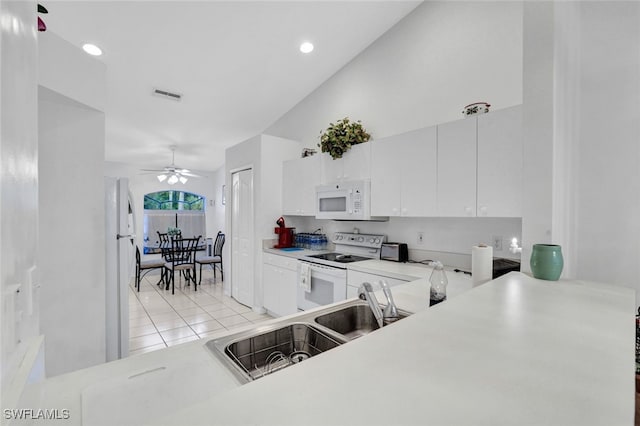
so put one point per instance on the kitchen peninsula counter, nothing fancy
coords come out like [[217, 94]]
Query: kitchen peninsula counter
[[513, 351]]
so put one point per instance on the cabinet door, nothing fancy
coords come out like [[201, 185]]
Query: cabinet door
[[270, 281], [500, 163], [457, 168], [355, 164], [386, 178], [288, 292], [418, 168], [332, 170], [299, 180]]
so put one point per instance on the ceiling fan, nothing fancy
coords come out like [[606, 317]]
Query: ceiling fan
[[173, 174]]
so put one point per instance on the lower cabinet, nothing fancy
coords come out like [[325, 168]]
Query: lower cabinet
[[279, 280], [356, 278]]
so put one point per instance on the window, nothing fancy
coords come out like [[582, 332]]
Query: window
[[171, 208]]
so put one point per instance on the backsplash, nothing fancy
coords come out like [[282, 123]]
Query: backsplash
[[451, 237]]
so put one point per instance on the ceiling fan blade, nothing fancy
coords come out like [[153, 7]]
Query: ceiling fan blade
[[155, 170], [191, 175]]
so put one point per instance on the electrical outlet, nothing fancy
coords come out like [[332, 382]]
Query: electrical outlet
[[420, 238], [497, 242]]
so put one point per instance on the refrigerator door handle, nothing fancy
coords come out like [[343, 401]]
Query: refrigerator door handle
[[128, 236]]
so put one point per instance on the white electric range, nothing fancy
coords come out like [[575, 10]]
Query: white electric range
[[322, 278]]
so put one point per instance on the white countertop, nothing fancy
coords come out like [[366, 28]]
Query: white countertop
[[513, 351]]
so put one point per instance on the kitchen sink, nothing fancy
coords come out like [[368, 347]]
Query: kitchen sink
[[353, 321], [264, 352], [257, 352]]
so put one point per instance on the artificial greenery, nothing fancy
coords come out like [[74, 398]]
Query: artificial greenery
[[339, 137], [173, 231]]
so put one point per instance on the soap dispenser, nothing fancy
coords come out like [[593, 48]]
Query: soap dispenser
[[439, 283]]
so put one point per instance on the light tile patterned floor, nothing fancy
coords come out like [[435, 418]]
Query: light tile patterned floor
[[158, 319]]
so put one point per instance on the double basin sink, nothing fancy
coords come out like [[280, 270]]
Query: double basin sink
[[255, 353]]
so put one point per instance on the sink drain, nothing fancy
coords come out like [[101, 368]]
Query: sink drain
[[299, 356]]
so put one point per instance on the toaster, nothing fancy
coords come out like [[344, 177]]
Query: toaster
[[396, 252]]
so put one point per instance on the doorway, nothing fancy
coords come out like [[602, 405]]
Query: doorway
[[242, 256]]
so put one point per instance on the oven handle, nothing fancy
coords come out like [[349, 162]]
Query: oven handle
[[324, 269]]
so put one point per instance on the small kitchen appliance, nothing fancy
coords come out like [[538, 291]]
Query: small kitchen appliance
[[348, 200], [395, 252], [285, 235]]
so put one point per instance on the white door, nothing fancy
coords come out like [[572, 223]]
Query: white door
[[242, 277], [119, 252]]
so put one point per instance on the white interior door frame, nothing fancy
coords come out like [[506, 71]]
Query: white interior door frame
[[242, 235]]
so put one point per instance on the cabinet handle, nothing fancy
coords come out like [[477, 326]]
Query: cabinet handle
[[468, 211], [404, 210], [483, 210]]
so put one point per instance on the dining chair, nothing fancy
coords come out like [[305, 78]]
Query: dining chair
[[164, 240], [214, 259], [181, 257], [147, 266]]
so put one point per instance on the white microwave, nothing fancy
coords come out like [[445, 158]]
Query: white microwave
[[349, 200]]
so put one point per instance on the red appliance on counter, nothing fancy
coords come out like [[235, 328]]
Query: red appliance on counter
[[285, 235]]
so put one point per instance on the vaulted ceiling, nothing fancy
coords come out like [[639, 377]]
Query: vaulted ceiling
[[237, 65]]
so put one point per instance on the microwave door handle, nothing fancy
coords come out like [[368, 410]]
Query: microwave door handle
[[350, 201]]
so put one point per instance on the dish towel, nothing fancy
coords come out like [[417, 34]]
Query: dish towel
[[305, 277]]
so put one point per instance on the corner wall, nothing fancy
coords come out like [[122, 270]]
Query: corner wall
[[18, 195], [71, 133]]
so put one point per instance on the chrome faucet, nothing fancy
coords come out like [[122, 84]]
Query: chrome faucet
[[390, 311]]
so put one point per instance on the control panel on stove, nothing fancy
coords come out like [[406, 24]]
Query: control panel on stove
[[360, 240]]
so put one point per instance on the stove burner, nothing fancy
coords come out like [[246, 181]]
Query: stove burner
[[339, 257]]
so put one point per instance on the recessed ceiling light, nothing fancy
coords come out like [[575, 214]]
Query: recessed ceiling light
[[306, 47], [92, 49]]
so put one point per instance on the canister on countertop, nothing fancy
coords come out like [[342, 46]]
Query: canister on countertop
[[439, 281]]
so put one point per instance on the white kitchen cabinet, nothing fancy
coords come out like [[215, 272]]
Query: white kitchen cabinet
[[299, 180], [279, 278], [356, 278], [500, 163], [355, 164], [404, 174], [480, 165], [457, 168]]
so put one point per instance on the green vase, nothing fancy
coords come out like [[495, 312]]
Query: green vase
[[546, 261]]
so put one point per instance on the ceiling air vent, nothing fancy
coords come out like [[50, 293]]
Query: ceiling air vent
[[167, 95]]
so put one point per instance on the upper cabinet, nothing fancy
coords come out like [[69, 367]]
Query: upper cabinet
[[500, 163], [480, 165], [466, 168], [404, 174], [355, 164], [299, 180], [457, 168]]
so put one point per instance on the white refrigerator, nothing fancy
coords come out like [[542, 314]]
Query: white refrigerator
[[120, 260]]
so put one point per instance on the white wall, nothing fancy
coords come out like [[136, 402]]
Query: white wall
[[18, 192], [441, 57], [443, 235], [141, 184], [264, 154], [608, 172], [71, 197]]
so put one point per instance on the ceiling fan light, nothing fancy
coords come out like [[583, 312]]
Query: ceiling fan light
[[173, 179], [183, 180], [161, 178]]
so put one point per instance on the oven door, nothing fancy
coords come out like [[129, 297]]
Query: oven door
[[320, 285]]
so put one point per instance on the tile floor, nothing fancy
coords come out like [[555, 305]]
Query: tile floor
[[158, 319]]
